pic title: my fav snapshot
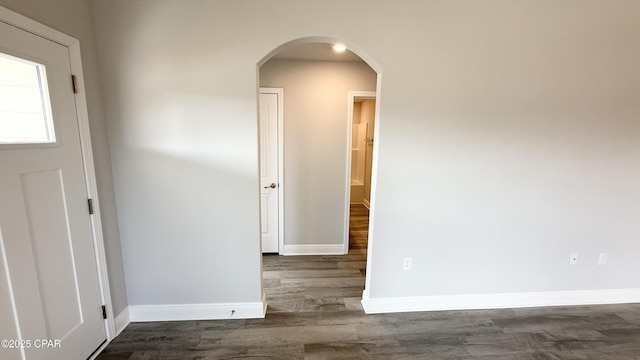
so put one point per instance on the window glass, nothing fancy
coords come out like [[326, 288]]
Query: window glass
[[25, 109]]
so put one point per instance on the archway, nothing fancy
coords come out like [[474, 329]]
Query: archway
[[315, 168]]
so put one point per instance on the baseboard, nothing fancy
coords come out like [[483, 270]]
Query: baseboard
[[178, 312], [314, 249], [498, 301], [121, 321]]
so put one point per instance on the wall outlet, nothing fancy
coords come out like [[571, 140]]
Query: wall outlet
[[406, 263], [573, 259], [602, 260]]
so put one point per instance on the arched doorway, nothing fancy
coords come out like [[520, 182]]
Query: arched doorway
[[314, 169]]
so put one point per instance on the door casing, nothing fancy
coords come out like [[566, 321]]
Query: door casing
[[352, 96]]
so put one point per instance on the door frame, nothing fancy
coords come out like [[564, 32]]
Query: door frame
[[19, 21], [280, 93], [352, 97]]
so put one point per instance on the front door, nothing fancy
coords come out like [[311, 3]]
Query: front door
[[50, 300], [269, 182]]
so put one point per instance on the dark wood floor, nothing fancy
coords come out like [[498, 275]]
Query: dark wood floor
[[319, 283], [314, 312], [358, 228]]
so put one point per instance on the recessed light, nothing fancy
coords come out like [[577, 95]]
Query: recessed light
[[339, 48]]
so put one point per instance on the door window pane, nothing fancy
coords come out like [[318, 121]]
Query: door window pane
[[25, 109]]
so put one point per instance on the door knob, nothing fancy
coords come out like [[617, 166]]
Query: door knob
[[273, 186]]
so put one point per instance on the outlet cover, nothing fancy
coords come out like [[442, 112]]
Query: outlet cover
[[406, 263], [602, 260]]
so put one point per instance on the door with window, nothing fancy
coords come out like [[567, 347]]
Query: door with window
[[50, 299]]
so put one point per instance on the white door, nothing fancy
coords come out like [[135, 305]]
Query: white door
[[269, 182], [49, 286]]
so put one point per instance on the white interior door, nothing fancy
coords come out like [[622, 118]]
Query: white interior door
[[49, 285], [269, 179]]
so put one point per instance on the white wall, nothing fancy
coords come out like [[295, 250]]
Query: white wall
[[315, 142], [511, 126], [74, 18]]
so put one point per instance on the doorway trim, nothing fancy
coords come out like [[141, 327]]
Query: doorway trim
[[280, 93], [19, 21], [352, 97]]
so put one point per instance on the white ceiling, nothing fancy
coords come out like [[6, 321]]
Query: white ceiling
[[316, 51]]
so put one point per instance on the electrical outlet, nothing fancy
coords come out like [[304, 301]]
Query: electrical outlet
[[573, 259], [406, 263], [602, 260]]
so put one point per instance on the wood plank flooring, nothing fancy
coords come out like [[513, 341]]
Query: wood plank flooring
[[314, 312], [319, 283]]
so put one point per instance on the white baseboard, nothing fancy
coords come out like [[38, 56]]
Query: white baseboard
[[314, 249], [178, 312], [498, 301], [122, 320]]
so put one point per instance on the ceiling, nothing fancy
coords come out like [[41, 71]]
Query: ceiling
[[317, 52]]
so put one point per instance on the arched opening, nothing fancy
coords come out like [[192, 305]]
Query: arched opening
[[309, 97]]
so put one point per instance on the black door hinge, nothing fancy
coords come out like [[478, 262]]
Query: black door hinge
[[90, 202], [74, 84], [104, 312]]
